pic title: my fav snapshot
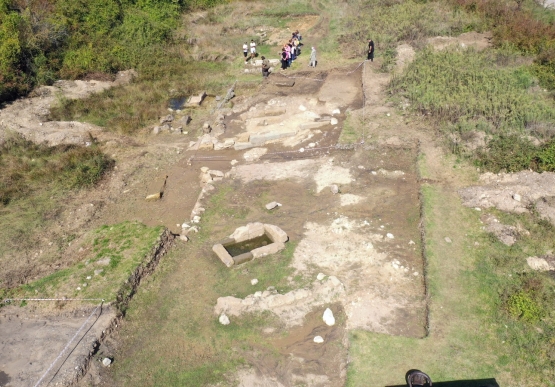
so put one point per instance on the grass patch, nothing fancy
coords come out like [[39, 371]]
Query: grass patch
[[26, 167], [288, 8], [111, 254], [353, 128], [465, 85]]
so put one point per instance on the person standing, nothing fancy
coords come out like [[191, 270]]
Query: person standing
[[245, 51], [265, 67], [313, 58], [253, 49], [371, 50], [283, 59]]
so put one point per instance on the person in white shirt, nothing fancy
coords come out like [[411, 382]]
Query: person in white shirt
[[245, 51], [253, 49]]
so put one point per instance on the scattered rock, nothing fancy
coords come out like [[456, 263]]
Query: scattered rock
[[302, 108], [448, 240], [335, 111], [254, 281], [165, 119], [334, 189], [254, 154], [224, 320], [318, 339], [301, 150], [334, 121], [328, 317], [98, 271], [517, 197], [389, 235], [411, 243], [539, 264], [153, 197], [272, 205], [183, 238], [104, 261], [216, 173], [320, 276], [156, 130], [196, 219], [312, 145], [204, 169], [234, 162], [106, 361], [206, 128]]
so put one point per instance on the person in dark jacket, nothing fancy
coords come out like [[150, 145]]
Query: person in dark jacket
[[371, 50]]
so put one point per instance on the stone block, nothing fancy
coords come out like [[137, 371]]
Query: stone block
[[224, 256], [288, 83], [242, 258], [251, 230], [243, 145], [196, 100], [243, 137], [261, 138], [275, 233], [268, 249]]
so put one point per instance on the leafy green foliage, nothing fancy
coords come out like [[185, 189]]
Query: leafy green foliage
[[522, 305], [26, 167], [44, 39]]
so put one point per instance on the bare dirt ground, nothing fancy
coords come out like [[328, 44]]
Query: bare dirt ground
[[367, 235]]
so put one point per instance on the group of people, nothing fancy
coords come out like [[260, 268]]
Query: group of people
[[289, 52]]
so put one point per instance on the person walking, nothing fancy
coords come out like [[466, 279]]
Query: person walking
[[313, 58], [283, 59], [253, 49], [245, 51], [371, 50], [265, 67]]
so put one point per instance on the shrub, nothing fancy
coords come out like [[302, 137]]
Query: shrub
[[523, 306]]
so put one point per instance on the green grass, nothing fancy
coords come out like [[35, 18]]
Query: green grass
[[459, 86], [114, 252]]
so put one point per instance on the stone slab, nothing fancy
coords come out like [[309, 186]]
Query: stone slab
[[288, 83], [224, 256], [250, 231], [261, 138], [243, 145], [272, 248], [275, 233]]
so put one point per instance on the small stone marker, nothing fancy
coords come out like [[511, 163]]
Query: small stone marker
[[272, 205], [153, 197], [318, 339], [448, 240], [254, 281], [224, 320], [106, 361], [328, 317], [320, 276]]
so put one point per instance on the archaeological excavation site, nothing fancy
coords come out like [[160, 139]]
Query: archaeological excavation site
[[237, 193]]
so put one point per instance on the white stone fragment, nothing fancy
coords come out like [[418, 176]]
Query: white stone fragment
[[301, 150], [233, 162], [334, 121], [411, 242], [204, 169], [312, 145], [389, 235], [328, 317], [335, 111], [272, 205], [320, 276], [196, 219], [224, 320], [302, 108], [106, 361], [448, 240], [318, 339], [517, 197], [254, 281]]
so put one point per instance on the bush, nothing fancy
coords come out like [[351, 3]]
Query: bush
[[523, 306]]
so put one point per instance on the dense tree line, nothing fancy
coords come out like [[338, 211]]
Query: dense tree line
[[42, 40]]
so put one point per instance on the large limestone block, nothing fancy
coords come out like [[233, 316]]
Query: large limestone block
[[275, 233], [250, 231], [272, 248], [313, 125], [224, 256]]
